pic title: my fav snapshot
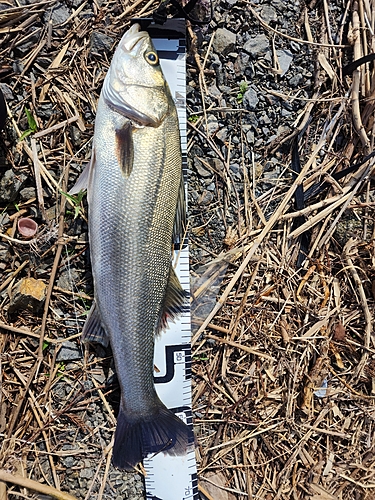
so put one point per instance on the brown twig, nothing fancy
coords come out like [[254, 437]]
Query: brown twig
[[25, 482]]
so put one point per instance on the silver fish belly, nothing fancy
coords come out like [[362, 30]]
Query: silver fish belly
[[135, 193]]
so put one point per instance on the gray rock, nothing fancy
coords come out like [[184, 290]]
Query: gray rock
[[59, 14], [217, 66], [264, 119], [257, 46], [280, 5], [68, 461], [68, 278], [202, 170], [86, 473], [268, 14], [213, 90], [69, 351], [100, 42], [212, 124], [18, 67], [285, 58], [250, 137], [205, 198], [45, 110], [224, 41], [4, 219], [222, 134], [250, 99], [7, 92], [10, 185], [295, 80], [243, 65], [27, 193], [4, 252]]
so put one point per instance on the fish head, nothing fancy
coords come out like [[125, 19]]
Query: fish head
[[135, 85]]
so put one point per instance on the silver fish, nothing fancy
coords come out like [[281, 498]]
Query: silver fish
[[136, 207]]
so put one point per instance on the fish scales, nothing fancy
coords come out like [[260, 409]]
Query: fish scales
[[134, 244], [134, 189]]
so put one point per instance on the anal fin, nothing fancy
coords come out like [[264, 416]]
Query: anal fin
[[174, 301], [93, 330]]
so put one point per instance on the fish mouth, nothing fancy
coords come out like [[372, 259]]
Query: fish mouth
[[133, 36]]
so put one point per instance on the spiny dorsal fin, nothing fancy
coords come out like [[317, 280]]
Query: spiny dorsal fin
[[174, 301], [93, 330], [125, 148]]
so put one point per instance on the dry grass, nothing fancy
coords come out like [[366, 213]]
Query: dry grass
[[276, 334], [284, 385]]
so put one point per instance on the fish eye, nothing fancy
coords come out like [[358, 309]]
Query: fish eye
[[152, 58]]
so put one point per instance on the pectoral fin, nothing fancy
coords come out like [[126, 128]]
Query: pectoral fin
[[84, 180], [93, 330], [125, 148], [179, 228], [174, 301]]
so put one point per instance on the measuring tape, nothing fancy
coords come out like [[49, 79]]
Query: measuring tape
[[174, 477]]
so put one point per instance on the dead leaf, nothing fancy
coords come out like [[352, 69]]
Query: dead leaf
[[214, 483], [339, 332]]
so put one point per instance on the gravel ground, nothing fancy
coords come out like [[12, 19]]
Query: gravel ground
[[255, 86]]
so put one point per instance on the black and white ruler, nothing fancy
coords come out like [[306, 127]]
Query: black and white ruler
[[169, 477]]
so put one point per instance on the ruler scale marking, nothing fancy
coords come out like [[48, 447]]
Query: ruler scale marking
[[169, 477]]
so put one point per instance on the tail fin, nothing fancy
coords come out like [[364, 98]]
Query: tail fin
[[134, 440]]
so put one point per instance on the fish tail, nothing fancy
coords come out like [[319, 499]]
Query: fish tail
[[135, 439]]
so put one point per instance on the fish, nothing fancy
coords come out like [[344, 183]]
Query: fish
[[136, 210]]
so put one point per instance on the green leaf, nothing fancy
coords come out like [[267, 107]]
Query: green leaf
[[25, 134], [76, 200], [31, 121], [193, 118]]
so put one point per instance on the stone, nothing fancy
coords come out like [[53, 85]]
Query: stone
[[68, 278], [224, 41], [268, 14], [250, 99], [27, 193], [296, 80], [250, 136], [29, 294], [7, 91], [58, 14], [257, 46], [10, 185], [222, 134], [4, 252], [100, 42], [205, 198], [202, 170], [69, 351], [86, 473], [212, 125], [285, 58]]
